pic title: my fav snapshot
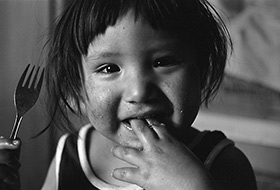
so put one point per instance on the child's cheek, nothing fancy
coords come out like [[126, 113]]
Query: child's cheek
[[183, 91], [101, 106]]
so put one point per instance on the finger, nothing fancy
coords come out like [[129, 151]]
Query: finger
[[11, 179], [142, 130], [14, 164], [9, 144], [159, 128], [7, 156], [8, 175], [11, 148], [8, 159], [127, 174], [127, 154], [136, 144]]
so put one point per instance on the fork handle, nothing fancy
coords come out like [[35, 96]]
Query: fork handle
[[15, 129]]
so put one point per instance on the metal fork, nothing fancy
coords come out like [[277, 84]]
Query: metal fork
[[26, 95]]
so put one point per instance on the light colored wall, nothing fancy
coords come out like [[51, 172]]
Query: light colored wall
[[23, 23]]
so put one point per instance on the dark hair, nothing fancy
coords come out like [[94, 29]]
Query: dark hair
[[193, 21]]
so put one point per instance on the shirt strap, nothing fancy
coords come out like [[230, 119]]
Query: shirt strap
[[215, 151]]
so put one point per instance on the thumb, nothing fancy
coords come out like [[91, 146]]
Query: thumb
[[9, 144]]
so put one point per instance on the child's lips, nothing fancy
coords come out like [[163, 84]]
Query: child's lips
[[131, 138], [151, 121]]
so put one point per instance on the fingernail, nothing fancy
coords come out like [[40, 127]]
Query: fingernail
[[9, 181], [156, 123], [16, 142], [140, 127], [113, 148]]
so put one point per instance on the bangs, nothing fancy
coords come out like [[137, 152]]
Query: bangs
[[91, 18]]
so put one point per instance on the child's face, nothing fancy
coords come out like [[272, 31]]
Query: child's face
[[136, 72]]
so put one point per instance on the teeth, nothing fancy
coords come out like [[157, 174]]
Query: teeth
[[151, 122], [127, 125]]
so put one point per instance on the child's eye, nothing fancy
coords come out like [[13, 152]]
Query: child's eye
[[109, 68], [166, 61]]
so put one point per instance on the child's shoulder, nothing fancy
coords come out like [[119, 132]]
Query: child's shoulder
[[232, 169], [206, 145], [228, 165]]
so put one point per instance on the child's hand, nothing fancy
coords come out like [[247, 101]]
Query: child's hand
[[164, 163], [9, 164]]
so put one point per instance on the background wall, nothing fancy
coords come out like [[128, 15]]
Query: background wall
[[23, 30], [247, 108]]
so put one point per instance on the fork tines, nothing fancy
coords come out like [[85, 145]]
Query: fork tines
[[34, 81]]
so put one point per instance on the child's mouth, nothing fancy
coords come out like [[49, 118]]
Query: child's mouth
[[151, 121], [127, 124]]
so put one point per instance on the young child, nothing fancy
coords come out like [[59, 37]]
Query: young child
[[139, 70]]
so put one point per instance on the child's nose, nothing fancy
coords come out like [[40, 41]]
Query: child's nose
[[141, 89]]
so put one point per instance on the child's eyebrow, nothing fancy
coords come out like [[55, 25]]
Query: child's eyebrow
[[162, 46], [102, 54], [171, 45]]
